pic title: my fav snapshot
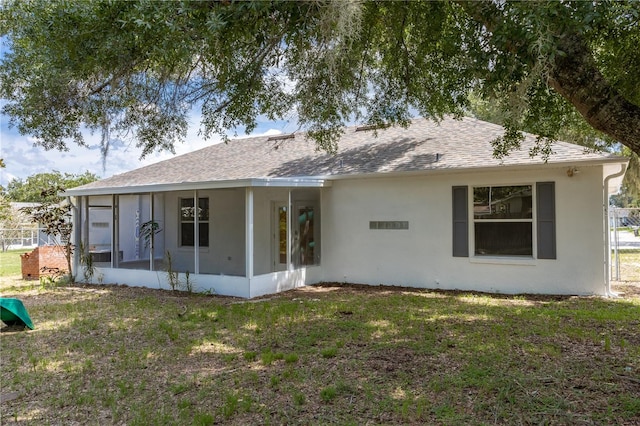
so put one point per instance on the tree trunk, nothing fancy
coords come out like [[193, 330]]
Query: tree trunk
[[68, 255], [576, 77]]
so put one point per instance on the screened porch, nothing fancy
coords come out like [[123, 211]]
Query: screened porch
[[242, 241]]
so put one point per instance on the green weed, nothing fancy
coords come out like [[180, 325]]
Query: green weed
[[299, 398], [329, 352], [203, 419], [328, 393], [291, 358], [250, 356]]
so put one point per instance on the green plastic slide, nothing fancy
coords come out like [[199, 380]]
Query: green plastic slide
[[13, 312]]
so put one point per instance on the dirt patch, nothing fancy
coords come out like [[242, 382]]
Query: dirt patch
[[10, 396], [626, 289]]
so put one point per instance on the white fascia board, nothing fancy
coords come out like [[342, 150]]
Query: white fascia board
[[485, 169], [297, 182]]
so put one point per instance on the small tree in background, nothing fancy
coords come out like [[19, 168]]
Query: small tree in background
[[6, 216], [31, 188], [54, 215]]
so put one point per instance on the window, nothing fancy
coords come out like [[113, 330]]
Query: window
[[187, 222], [282, 235], [503, 220]]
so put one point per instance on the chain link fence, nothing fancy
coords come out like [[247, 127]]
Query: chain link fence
[[625, 243]]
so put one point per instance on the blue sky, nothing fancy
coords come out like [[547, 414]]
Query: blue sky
[[23, 158]]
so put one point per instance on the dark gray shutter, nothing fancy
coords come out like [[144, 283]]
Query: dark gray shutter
[[546, 220], [460, 222]]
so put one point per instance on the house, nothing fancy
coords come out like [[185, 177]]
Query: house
[[426, 206], [20, 232]]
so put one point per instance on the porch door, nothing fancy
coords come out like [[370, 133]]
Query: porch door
[[306, 234], [279, 236]]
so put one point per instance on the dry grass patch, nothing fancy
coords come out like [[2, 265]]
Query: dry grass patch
[[629, 265]]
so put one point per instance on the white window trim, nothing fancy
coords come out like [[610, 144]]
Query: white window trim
[[504, 259]]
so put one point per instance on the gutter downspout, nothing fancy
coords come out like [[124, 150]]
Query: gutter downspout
[[607, 233]]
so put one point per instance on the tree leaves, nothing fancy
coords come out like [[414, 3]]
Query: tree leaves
[[37, 188], [133, 70]]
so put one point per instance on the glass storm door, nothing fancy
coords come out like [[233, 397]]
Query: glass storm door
[[279, 232], [305, 253]]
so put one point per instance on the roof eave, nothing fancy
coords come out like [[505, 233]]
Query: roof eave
[[324, 181], [482, 169], [305, 182]]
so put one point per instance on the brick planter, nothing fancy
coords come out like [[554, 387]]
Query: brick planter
[[43, 261]]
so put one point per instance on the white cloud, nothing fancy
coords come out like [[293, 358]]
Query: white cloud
[[23, 159]]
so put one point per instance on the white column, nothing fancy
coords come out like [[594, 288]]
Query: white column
[[84, 223], [289, 229], [248, 233], [77, 206], [196, 232], [153, 234], [115, 235]]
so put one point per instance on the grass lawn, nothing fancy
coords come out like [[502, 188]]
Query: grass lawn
[[319, 355], [10, 263]]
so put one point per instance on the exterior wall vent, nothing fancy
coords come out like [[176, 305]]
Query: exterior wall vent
[[368, 127], [282, 137], [389, 224]]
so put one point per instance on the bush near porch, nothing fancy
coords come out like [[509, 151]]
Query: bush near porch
[[318, 355]]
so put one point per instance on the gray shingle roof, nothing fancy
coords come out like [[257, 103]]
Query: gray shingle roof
[[424, 145]]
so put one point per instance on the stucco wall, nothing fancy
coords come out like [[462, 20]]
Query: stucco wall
[[422, 255], [263, 199], [226, 252]]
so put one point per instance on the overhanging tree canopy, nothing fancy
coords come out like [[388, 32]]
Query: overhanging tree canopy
[[138, 67]]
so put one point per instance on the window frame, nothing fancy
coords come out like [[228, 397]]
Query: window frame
[[182, 221], [543, 229], [495, 220], [315, 235]]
